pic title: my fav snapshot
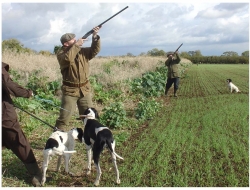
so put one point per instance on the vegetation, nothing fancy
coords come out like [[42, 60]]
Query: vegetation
[[198, 139]]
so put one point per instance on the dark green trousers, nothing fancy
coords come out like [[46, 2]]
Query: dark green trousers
[[69, 104]]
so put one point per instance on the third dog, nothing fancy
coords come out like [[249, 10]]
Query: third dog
[[231, 86], [60, 144], [96, 137]]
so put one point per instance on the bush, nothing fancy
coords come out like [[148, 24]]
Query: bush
[[114, 116], [147, 108], [151, 84]]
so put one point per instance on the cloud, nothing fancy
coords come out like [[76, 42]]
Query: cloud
[[140, 28], [223, 10]]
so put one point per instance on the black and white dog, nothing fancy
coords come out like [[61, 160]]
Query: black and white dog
[[96, 137], [60, 144], [231, 86]]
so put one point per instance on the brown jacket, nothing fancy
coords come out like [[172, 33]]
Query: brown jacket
[[74, 65], [9, 116], [173, 70]]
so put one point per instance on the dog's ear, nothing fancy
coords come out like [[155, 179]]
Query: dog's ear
[[96, 113], [86, 111], [80, 134]]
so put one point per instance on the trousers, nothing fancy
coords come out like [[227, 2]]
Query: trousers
[[14, 139], [170, 82], [69, 104]]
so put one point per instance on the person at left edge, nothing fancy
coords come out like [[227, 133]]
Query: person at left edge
[[13, 137]]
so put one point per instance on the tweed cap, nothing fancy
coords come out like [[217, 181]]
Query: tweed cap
[[67, 37], [170, 53]]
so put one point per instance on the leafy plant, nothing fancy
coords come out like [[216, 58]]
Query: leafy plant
[[53, 86], [151, 84], [100, 95], [15, 76], [114, 115], [107, 67], [147, 108], [36, 82]]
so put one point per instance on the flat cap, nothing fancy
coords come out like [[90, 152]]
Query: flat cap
[[67, 37], [170, 53]]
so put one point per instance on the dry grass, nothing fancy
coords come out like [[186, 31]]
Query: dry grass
[[128, 67]]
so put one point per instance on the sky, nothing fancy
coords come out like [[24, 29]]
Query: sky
[[212, 27]]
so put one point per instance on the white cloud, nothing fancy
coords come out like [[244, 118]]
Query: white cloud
[[141, 27]]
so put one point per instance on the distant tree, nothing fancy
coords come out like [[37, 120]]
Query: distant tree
[[27, 50], [197, 53], [142, 54], [230, 53], [46, 53], [244, 59], [56, 48], [185, 54], [130, 55], [156, 52], [245, 54], [13, 45], [191, 53]]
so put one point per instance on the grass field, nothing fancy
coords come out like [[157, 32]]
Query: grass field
[[200, 139]]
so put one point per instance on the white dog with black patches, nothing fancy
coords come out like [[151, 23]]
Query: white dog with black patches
[[96, 137], [60, 144], [232, 87]]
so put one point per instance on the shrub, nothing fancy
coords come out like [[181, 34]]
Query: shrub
[[146, 108], [114, 116], [151, 84]]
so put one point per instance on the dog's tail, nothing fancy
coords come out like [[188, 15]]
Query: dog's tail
[[111, 149], [64, 151], [117, 155], [69, 151]]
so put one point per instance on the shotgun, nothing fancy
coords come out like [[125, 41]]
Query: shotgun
[[178, 48], [36, 117], [91, 31]]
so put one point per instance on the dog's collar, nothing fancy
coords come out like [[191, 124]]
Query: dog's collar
[[87, 116]]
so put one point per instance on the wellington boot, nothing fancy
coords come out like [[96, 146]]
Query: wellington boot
[[36, 173], [166, 91], [175, 93]]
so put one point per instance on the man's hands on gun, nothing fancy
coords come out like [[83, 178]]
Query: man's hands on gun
[[96, 30], [81, 41]]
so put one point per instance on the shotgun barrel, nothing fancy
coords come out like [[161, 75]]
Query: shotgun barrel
[[178, 48], [91, 31]]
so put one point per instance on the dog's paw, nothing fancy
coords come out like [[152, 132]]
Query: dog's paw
[[96, 183], [71, 174], [118, 181], [43, 181], [88, 172]]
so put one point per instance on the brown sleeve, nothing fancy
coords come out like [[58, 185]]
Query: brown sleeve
[[14, 88], [91, 52]]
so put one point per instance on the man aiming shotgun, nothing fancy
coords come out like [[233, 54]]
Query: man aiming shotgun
[[173, 71], [74, 64]]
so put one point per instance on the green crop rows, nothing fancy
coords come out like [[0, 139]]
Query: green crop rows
[[201, 140]]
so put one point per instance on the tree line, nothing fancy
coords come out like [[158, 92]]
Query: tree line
[[228, 57]]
